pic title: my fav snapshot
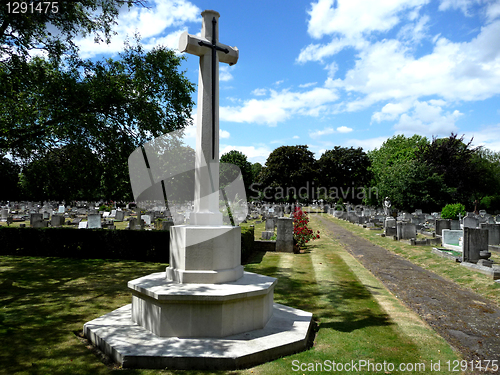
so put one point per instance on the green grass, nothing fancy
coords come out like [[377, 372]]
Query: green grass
[[422, 256], [44, 301]]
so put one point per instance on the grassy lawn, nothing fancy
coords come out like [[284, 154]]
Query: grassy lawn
[[44, 301], [422, 256]]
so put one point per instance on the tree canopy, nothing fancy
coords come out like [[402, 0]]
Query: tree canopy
[[50, 98], [289, 174]]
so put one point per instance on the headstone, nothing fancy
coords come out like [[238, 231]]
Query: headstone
[[284, 235], [105, 214], [5, 214], [113, 214], [35, 217], [83, 224], [147, 219], [475, 241], [271, 223], [46, 215], [61, 209], [470, 221], [120, 216], [442, 224], [94, 221], [452, 239], [57, 220], [406, 231], [493, 233]]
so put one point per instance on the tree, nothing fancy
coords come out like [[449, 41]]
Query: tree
[[289, 174], [9, 189], [110, 106], [461, 171], [342, 170], [68, 173], [397, 174], [240, 160]]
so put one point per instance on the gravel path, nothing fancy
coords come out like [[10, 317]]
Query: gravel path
[[468, 321]]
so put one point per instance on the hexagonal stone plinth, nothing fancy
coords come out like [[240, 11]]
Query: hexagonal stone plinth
[[170, 309]]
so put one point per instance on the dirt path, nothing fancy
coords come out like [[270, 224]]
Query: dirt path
[[468, 321]]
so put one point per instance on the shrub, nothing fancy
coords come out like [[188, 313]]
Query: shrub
[[301, 233], [451, 211]]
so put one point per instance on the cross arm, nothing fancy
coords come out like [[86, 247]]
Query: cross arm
[[191, 44]]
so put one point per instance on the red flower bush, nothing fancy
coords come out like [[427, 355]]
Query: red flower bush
[[301, 233]]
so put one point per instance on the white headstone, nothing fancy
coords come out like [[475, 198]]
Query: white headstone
[[61, 209], [94, 221], [105, 214], [147, 219], [83, 224]]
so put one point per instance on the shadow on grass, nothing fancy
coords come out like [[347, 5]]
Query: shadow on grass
[[44, 299]]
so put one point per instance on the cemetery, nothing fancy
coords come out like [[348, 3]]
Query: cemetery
[[218, 281]]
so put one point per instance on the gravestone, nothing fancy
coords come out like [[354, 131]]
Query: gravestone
[[120, 216], [94, 221], [147, 219], [35, 217], [475, 241], [83, 224], [442, 224], [271, 223], [493, 233], [452, 239], [57, 220], [46, 215], [284, 235], [5, 214], [113, 214], [61, 209], [470, 221], [406, 231]]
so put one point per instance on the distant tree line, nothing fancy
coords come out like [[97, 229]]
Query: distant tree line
[[414, 172]]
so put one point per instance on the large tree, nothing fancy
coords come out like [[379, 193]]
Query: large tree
[[289, 174], [110, 106], [342, 170], [238, 159]]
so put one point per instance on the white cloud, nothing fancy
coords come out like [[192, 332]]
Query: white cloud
[[427, 119], [386, 71], [150, 23], [225, 72], [486, 137], [254, 154], [349, 21], [320, 133], [259, 92], [308, 84], [223, 134], [344, 129], [280, 106], [296, 137], [462, 5], [493, 10]]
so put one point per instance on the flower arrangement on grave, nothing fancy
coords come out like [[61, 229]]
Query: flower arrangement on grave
[[301, 233]]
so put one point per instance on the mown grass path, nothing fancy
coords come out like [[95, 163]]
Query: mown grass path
[[468, 321]]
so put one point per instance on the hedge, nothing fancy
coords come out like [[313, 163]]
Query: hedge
[[150, 246], [140, 245]]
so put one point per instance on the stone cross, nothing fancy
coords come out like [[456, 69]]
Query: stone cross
[[211, 52]]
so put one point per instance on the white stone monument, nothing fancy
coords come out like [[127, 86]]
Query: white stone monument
[[204, 311]]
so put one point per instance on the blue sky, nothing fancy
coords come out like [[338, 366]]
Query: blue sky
[[339, 72]]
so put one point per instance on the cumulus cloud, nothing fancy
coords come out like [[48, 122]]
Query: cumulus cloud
[[428, 119], [223, 134], [280, 106], [150, 23]]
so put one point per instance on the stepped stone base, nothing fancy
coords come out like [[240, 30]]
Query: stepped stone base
[[202, 310], [133, 346]]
